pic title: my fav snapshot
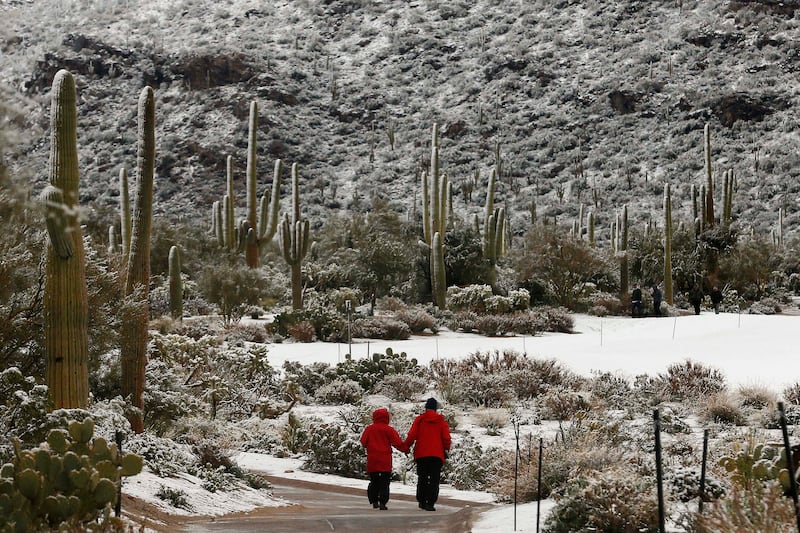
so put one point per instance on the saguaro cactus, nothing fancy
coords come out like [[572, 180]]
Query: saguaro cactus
[[668, 292], [727, 203], [434, 219], [133, 352], [66, 309], [591, 228], [709, 198], [175, 284], [623, 251], [294, 241], [266, 224], [494, 225]]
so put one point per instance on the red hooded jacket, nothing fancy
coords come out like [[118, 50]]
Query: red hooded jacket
[[378, 438], [431, 433]]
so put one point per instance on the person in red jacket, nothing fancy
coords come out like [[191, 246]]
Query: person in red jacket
[[431, 434], [378, 438]]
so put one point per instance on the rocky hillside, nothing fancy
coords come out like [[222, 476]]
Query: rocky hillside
[[592, 101]]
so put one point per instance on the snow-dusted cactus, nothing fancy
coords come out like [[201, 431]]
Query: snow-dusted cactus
[[124, 212], [623, 251], [295, 241], [133, 351], [434, 217], [175, 284], [709, 196], [668, 292], [66, 308]]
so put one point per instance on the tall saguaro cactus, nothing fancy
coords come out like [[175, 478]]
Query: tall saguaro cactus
[[434, 220], [133, 352], [709, 197], [66, 309], [295, 241], [494, 225], [175, 284], [266, 224], [668, 292], [622, 231]]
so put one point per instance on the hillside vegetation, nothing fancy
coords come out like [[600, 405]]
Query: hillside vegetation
[[592, 102]]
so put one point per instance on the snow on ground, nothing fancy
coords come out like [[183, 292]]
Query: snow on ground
[[749, 349]]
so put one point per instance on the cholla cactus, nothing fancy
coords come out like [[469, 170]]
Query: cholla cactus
[[66, 309]]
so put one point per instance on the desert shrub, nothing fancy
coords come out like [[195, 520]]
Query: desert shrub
[[684, 484], [391, 303], [302, 331], [470, 298], [334, 450], [309, 377], [417, 319], [561, 404], [245, 333], [164, 457], [766, 306], [403, 387], [175, 497], [490, 325], [294, 434], [166, 396], [612, 390], [470, 466], [608, 501], [492, 422], [368, 372], [554, 319], [233, 288], [597, 310], [603, 303], [791, 393], [23, 407], [339, 391], [756, 396], [770, 418], [464, 321], [763, 508], [197, 328], [722, 408], [380, 327], [688, 381], [329, 325], [485, 390]]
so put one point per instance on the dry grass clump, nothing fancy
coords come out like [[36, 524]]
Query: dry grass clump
[[723, 408], [757, 396], [764, 509], [493, 422], [688, 381]]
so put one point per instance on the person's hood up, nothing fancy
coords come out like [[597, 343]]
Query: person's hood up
[[380, 416]]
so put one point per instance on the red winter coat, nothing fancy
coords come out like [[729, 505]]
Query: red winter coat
[[432, 435], [378, 438]]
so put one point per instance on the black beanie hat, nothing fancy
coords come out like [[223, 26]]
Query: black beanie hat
[[431, 404]]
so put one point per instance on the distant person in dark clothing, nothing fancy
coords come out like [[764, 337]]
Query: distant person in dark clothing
[[656, 300], [636, 301], [716, 298], [378, 438], [431, 434], [696, 298]]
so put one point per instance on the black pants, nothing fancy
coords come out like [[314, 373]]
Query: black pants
[[429, 470], [378, 488], [657, 307], [696, 307], [636, 308]]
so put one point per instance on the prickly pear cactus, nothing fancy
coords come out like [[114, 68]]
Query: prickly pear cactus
[[69, 482]]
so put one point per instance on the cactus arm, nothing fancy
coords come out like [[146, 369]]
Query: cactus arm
[[57, 221], [124, 211], [112, 240], [219, 227], [426, 213], [269, 215]]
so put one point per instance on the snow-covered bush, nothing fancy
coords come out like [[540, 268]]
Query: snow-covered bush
[[684, 484], [309, 377], [240, 333], [469, 466], [470, 298], [380, 327], [403, 387], [688, 381], [329, 324], [332, 449], [339, 391], [722, 408], [561, 404], [417, 319], [164, 457], [606, 501], [611, 390], [23, 408], [175, 497], [302, 331]]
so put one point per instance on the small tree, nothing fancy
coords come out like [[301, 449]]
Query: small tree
[[232, 288]]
